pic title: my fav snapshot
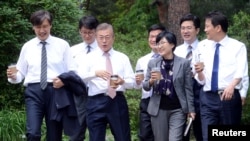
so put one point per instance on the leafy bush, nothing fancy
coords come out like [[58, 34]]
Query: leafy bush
[[240, 29], [12, 125]]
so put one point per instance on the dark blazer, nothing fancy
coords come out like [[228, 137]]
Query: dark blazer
[[63, 105], [182, 80]]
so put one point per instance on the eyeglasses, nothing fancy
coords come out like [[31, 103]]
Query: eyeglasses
[[106, 38], [161, 43], [87, 33]]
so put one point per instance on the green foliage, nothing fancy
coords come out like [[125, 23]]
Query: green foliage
[[12, 125], [103, 9], [133, 99], [13, 128], [137, 18], [14, 32], [240, 29]]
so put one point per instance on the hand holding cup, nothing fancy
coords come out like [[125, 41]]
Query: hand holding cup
[[139, 76], [156, 73], [11, 71], [113, 80]]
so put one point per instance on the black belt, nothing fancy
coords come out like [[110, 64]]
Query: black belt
[[48, 84], [105, 94], [219, 91]]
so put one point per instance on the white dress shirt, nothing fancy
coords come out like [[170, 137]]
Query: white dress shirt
[[142, 64], [182, 50], [59, 60], [97, 61], [232, 61], [244, 86], [80, 50]]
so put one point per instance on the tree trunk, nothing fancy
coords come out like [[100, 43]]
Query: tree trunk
[[170, 13]]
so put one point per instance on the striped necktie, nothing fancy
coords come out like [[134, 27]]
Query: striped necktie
[[189, 54], [43, 76]]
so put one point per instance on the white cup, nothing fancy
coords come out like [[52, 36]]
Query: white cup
[[113, 78], [12, 68], [140, 73], [157, 70]]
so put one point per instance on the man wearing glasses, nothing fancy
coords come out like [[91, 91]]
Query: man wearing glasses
[[87, 26]]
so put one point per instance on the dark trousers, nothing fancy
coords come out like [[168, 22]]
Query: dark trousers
[[38, 106], [217, 112], [145, 131], [101, 111], [80, 102]]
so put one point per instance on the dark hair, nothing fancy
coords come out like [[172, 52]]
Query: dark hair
[[193, 18], [156, 27], [38, 17], [217, 18], [169, 36], [89, 22]]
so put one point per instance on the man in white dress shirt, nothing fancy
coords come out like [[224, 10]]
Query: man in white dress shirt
[[40, 99], [87, 27], [225, 58], [106, 104], [190, 28], [145, 131]]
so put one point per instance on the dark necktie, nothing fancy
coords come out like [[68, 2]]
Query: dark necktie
[[111, 91], [89, 49], [43, 76], [189, 54], [214, 80]]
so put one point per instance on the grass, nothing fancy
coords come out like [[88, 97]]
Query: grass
[[12, 127]]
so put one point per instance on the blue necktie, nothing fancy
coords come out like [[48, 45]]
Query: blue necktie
[[89, 49], [214, 81]]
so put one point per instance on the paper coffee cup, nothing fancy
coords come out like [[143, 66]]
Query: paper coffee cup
[[140, 73], [158, 71], [113, 78], [12, 68]]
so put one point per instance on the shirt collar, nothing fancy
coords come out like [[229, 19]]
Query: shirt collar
[[111, 51], [152, 53], [223, 42], [194, 44], [92, 44], [48, 40]]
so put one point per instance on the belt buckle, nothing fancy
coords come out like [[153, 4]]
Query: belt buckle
[[220, 92]]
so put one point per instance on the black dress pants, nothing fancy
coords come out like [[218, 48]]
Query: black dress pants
[[145, 131], [102, 111], [80, 102], [38, 105]]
